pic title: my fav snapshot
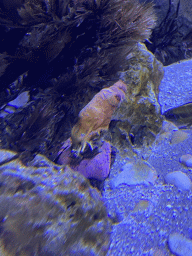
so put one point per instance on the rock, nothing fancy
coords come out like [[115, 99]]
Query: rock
[[168, 127], [138, 119], [166, 131], [180, 245], [97, 167], [13, 105], [135, 173], [181, 115], [48, 209], [178, 136], [6, 155], [179, 179], [186, 160]]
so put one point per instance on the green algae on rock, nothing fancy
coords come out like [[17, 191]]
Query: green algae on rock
[[47, 209]]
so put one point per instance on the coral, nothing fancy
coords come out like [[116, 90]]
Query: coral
[[96, 167], [47, 209], [96, 115]]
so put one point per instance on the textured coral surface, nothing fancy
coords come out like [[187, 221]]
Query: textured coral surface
[[97, 166]]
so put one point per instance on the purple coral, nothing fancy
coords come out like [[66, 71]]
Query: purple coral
[[97, 167]]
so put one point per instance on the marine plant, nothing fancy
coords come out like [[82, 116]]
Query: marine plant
[[74, 47]]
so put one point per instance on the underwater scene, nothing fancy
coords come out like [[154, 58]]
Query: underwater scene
[[95, 127]]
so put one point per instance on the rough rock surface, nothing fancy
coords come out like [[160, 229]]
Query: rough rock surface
[[46, 209], [186, 160], [138, 119]]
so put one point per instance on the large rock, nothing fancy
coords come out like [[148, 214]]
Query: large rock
[[46, 209], [138, 119]]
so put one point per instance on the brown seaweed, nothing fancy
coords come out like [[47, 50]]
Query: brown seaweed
[[88, 39]]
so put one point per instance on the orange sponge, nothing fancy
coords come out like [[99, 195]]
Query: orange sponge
[[96, 115]]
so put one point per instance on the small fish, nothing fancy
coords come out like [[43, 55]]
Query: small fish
[[181, 116]]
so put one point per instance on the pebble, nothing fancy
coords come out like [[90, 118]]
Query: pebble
[[21, 100], [178, 136], [180, 245], [13, 105], [135, 173], [186, 160], [168, 127], [166, 131], [179, 179]]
